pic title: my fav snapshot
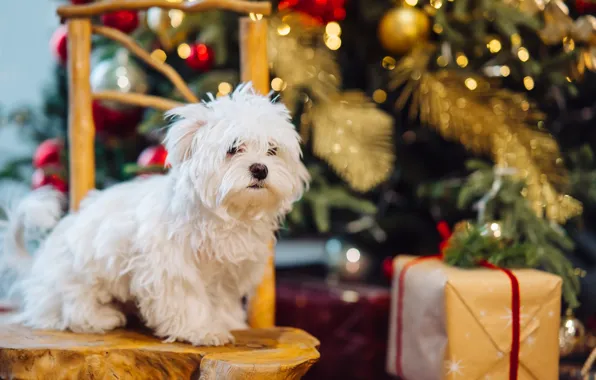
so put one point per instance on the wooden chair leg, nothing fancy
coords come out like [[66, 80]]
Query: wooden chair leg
[[81, 131], [254, 64]]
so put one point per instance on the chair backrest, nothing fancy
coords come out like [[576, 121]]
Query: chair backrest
[[81, 130]]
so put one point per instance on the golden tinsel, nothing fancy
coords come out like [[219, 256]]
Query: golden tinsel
[[559, 28], [487, 119], [300, 60], [530, 7], [343, 135], [348, 131]]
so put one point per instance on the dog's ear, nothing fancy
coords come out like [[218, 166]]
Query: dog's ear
[[179, 141]]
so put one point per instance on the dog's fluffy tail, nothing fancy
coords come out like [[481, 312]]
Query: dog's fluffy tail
[[32, 213]]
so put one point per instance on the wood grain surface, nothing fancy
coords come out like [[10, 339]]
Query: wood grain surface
[[156, 102], [272, 354], [81, 129]]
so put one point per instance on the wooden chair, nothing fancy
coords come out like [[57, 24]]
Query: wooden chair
[[264, 352]]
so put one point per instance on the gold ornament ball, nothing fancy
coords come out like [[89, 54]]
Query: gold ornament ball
[[402, 28], [572, 334]]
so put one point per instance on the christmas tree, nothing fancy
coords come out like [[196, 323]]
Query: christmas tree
[[392, 101]]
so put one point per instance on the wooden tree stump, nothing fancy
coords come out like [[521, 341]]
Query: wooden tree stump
[[275, 353]]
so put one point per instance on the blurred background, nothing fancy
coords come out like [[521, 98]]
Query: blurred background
[[23, 79], [409, 112]]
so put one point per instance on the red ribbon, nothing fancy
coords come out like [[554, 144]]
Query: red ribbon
[[515, 311], [515, 323]]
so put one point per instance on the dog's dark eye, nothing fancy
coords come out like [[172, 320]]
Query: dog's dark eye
[[236, 148], [272, 151]]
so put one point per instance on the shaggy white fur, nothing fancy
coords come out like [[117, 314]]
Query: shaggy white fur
[[186, 246]]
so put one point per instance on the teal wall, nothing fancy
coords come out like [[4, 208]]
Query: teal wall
[[25, 59], [25, 62]]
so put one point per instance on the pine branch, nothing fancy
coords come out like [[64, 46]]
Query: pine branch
[[545, 243], [488, 120], [323, 197]]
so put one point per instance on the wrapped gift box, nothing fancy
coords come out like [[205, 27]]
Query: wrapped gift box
[[350, 321], [451, 323]]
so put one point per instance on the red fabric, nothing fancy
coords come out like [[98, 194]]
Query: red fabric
[[515, 325], [515, 310], [350, 321]]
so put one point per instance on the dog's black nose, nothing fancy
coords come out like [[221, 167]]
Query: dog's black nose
[[258, 171]]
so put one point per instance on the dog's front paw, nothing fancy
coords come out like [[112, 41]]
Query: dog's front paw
[[216, 338], [98, 320], [211, 338]]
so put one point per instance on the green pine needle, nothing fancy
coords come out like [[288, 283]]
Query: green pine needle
[[528, 241], [467, 249]]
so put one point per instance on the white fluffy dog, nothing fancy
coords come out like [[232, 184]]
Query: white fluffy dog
[[185, 247]]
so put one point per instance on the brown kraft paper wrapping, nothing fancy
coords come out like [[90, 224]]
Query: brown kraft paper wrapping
[[457, 323]]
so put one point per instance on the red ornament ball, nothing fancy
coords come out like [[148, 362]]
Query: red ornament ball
[[48, 153], [201, 57], [585, 6], [112, 122], [59, 44], [49, 176], [153, 156], [125, 21], [323, 10]]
